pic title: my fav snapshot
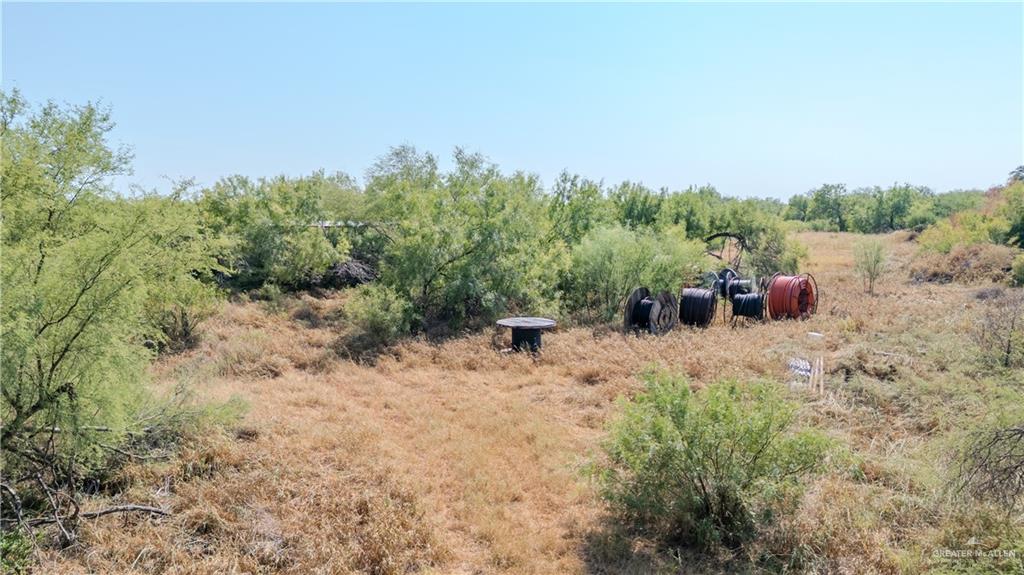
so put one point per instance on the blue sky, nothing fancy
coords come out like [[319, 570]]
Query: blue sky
[[758, 100]]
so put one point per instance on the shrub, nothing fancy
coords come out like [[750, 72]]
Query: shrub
[[772, 252], [990, 465], [612, 260], [635, 205], [963, 229], [1013, 210], [80, 271], [379, 315], [273, 297], [696, 210], [999, 330], [576, 205], [869, 259], [269, 229], [977, 263], [1018, 270], [15, 552], [465, 245], [702, 467]]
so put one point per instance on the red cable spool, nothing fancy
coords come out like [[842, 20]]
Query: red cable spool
[[792, 296]]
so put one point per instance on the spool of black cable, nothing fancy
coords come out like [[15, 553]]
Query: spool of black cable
[[655, 314], [725, 277], [748, 305], [642, 313], [629, 316], [697, 306], [738, 286]]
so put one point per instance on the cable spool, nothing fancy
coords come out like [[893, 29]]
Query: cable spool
[[792, 296], [748, 305], [736, 286], [630, 317], [655, 314], [664, 314], [725, 277], [697, 306]]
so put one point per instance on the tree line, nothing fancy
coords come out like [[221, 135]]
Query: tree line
[[831, 207]]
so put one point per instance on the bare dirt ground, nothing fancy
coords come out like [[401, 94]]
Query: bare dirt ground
[[455, 458]]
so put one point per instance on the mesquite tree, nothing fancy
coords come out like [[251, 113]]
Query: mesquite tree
[[84, 275]]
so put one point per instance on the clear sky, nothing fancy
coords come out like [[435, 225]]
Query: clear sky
[[758, 100]]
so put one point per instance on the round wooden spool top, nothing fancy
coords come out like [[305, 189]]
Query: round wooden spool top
[[526, 331], [527, 322]]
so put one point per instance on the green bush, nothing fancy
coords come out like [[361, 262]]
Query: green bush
[[964, 229], [176, 303], [696, 210], [467, 245], [772, 252], [703, 467], [1013, 211], [635, 205], [878, 210], [1017, 274], [269, 228], [869, 258], [83, 274], [379, 315], [577, 205], [15, 552], [613, 260]]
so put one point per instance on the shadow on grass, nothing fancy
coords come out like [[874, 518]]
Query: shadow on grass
[[617, 549]]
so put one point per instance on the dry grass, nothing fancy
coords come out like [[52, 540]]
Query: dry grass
[[455, 458]]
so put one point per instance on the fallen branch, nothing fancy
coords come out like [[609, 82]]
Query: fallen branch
[[131, 455], [107, 511]]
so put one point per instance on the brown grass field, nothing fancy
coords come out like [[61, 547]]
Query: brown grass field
[[456, 458]]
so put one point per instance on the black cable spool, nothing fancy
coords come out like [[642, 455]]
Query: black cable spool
[[748, 305], [642, 313], [655, 314], [725, 277], [737, 286], [629, 319], [697, 306]]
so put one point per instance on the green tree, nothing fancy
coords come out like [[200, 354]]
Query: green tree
[[82, 272], [1013, 211], [465, 245], [697, 210], [770, 250], [577, 204], [272, 227], [797, 208], [636, 205], [826, 203], [896, 204]]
